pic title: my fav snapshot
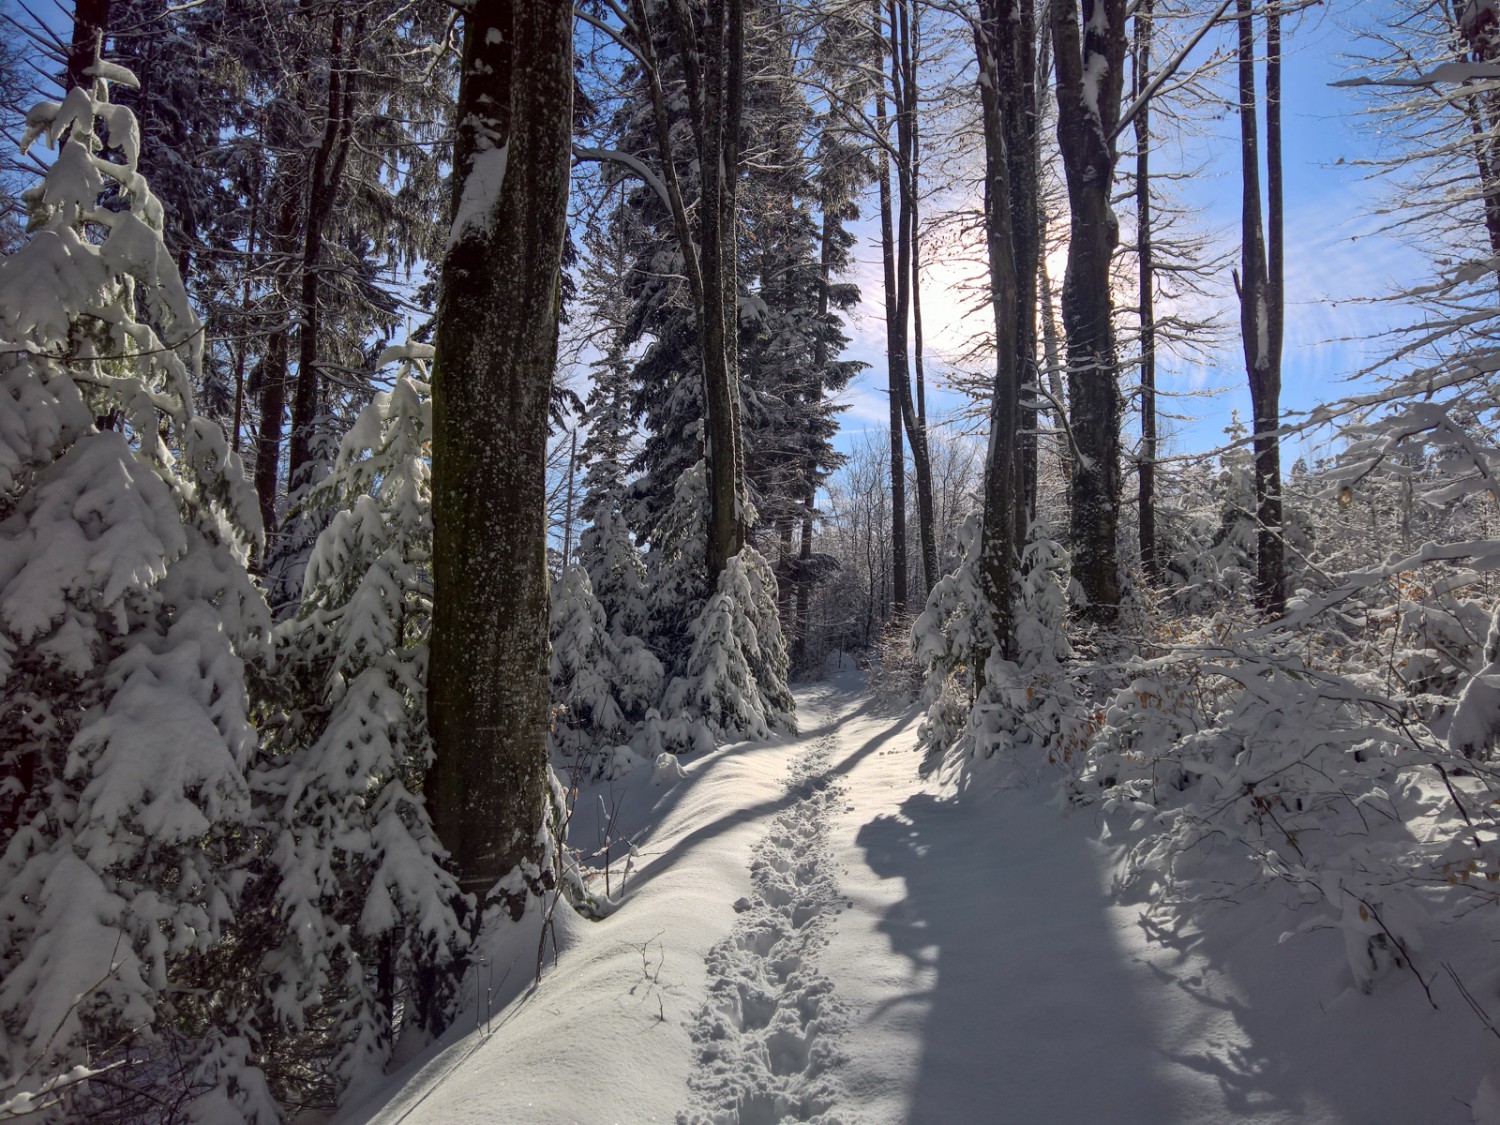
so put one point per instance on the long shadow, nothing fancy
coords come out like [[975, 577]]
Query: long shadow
[[1303, 1036], [1044, 1006], [642, 804], [763, 809], [1029, 1016]]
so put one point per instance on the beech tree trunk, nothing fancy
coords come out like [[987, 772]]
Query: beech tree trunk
[[1090, 51], [1146, 495], [1003, 47], [895, 350], [1260, 318], [496, 346]]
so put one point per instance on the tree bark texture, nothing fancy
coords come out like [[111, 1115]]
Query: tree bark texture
[[1001, 70], [496, 349], [895, 348], [1260, 333], [1145, 262], [1090, 51]]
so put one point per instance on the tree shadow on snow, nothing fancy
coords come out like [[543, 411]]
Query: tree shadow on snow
[[1029, 1016], [1048, 1003], [1294, 1033], [763, 810]]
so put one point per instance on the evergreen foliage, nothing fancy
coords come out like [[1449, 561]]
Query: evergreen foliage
[[358, 877], [126, 623]]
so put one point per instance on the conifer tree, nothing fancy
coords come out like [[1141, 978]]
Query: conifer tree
[[358, 876], [126, 620]]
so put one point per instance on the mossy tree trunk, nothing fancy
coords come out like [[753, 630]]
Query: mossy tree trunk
[[496, 349]]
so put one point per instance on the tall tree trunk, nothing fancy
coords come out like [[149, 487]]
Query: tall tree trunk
[[895, 347], [242, 347], [496, 342], [803, 580], [1146, 281], [1260, 327], [272, 411], [1000, 77], [1478, 108], [1021, 111], [90, 25], [275, 364], [723, 101], [323, 185], [715, 97], [567, 551], [1052, 349], [1090, 55], [1272, 543], [904, 104]]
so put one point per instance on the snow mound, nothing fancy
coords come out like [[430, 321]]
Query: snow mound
[[667, 770]]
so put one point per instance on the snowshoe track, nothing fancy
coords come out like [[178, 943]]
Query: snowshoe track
[[768, 1037]]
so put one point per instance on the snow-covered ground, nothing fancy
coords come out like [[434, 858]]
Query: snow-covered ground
[[812, 932]]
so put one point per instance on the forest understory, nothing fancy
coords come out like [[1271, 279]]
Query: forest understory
[[827, 928]]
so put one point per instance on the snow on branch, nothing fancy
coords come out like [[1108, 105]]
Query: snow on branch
[[626, 160]]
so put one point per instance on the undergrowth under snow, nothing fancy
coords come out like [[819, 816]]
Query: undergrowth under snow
[[810, 929]]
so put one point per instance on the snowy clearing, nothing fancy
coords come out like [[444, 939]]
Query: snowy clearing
[[813, 932]]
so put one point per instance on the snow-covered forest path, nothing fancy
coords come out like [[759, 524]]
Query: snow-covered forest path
[[812, 932]]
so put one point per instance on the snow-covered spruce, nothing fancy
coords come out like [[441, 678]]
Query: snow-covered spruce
[[677, 570], [722, 648], [366, 906], [1025, 704], [768, 1037], [126, 618], [603, 683], [734, 681]]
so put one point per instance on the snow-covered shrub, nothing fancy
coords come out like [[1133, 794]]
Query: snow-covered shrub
[[126, 619], [734, 681], [602, 686], [1475, 729], [895, 672], [1314, 779], [980, 704], [1211, 547], [357, 876]]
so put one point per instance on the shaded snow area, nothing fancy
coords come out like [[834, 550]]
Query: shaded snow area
[[809, 930]]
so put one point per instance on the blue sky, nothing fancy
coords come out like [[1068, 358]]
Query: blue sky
[[1335, 252]]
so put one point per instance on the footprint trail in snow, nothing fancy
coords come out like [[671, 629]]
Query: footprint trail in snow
[[767, 1039]]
